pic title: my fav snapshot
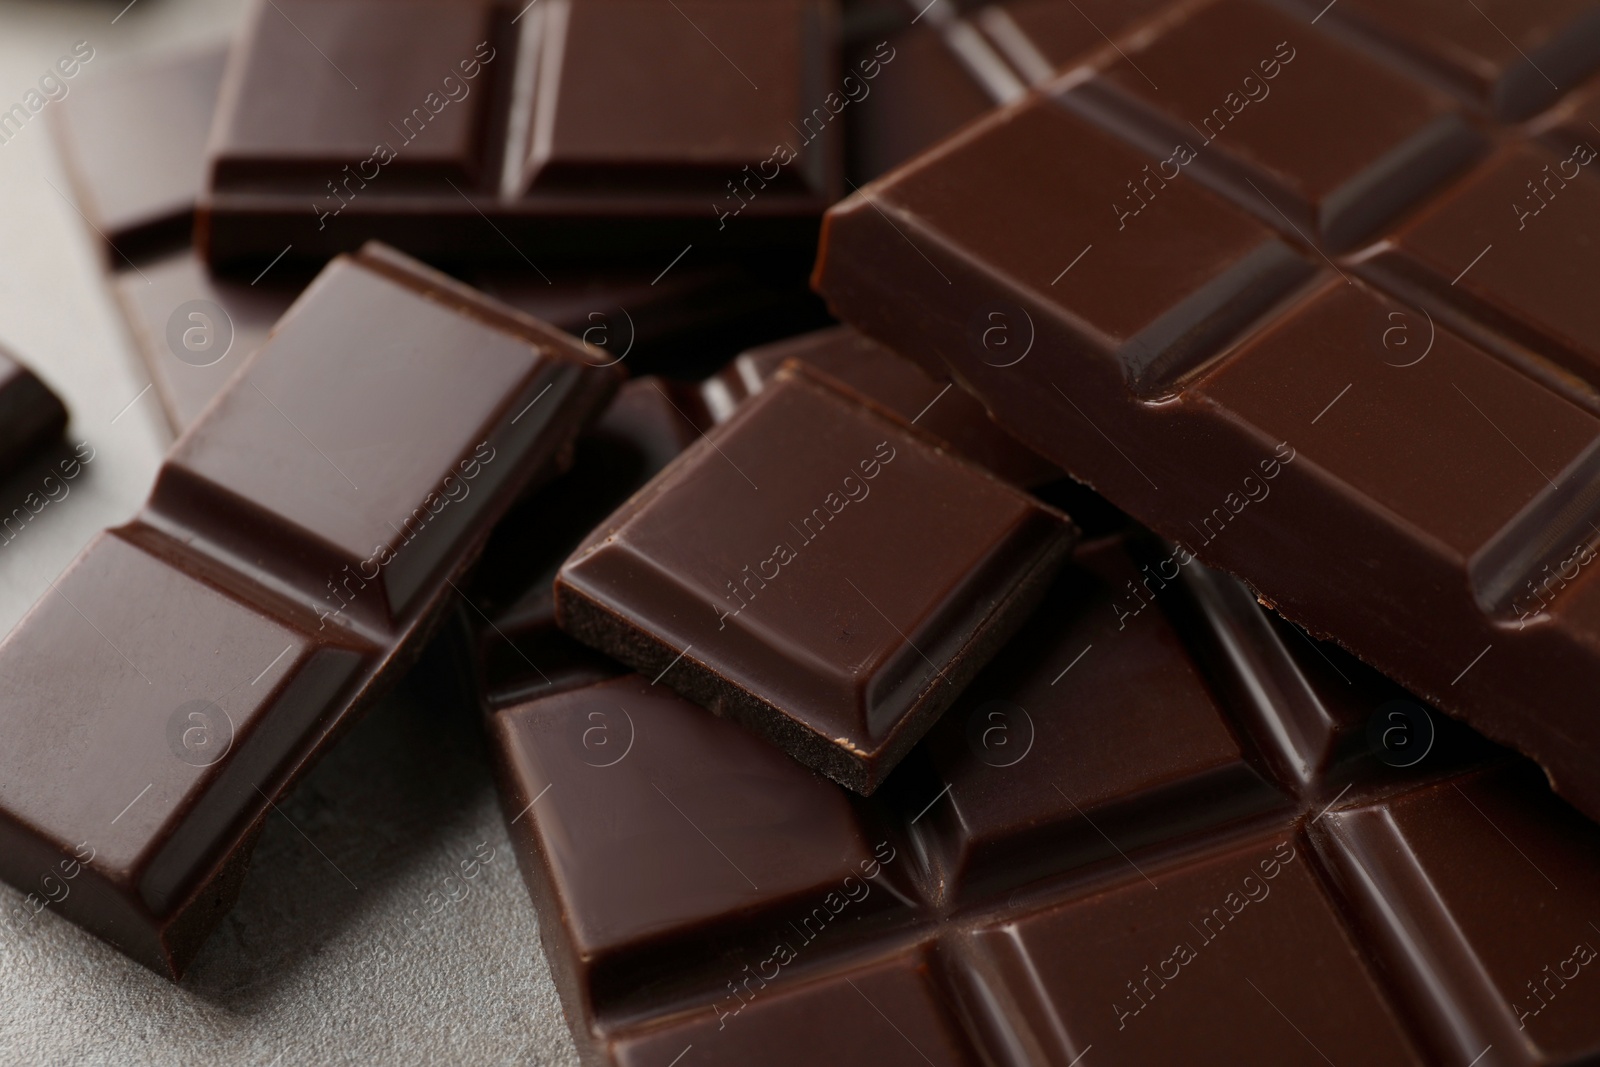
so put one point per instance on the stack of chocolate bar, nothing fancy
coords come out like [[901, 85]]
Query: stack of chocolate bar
[[889, 692]]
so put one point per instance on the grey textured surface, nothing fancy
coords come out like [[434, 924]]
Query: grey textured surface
[[317, 963]]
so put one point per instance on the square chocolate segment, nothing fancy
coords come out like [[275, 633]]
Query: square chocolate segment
[[1281, 119], [346, 497], [318, 92], [664, 837], [819, 571], [1095, 730], [619, 90]]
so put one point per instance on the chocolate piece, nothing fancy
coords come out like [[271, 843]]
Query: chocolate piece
[[1510, 59], [134, 143], [874, 371], [1087, 852], [476, 130], [1287, 123], [818, 571], [1417, 484], [298, 546], [31, 416]]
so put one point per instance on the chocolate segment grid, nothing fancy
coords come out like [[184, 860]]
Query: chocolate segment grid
[[1158, 825], [1170, 326]]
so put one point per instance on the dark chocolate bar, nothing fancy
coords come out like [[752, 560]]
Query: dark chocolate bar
[[1394, 447], [485, 130], [1162, 826], [300, 542], [818, 571]]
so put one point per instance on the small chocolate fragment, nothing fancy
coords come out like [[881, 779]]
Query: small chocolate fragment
[[31, 416], [300, 543], [893, 381], [817, 571], [134, 141]]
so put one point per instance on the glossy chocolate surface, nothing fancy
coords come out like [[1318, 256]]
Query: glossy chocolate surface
[[786, 572], [1394, 446], [298, 546], [1281, 120], [468, 131], [1154, 826]]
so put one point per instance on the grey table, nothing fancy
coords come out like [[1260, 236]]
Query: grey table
[[316, 964]]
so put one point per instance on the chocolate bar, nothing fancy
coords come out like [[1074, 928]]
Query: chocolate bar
[[1139, 835], [1393, 446], [301, 541], [478, 130], [817, 570]]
